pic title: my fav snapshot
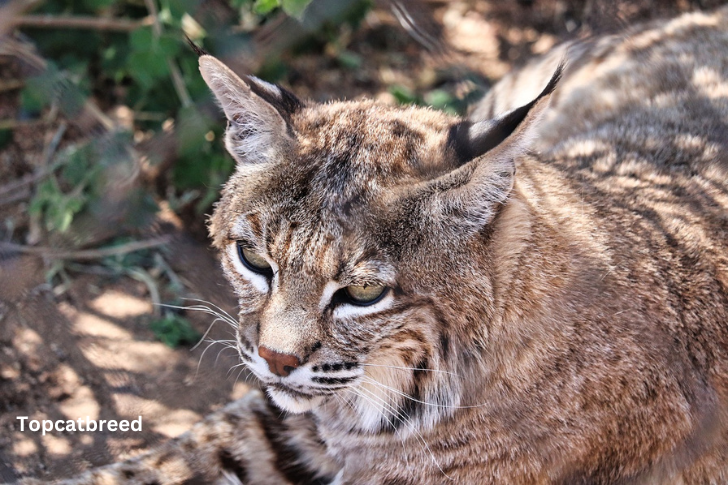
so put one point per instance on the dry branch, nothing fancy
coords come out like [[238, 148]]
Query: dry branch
[[85, 254], [80, 22]]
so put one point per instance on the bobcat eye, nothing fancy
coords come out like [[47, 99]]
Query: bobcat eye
[[254, 262], [365, 295]]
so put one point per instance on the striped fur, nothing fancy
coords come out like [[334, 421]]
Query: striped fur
[[558, 316]]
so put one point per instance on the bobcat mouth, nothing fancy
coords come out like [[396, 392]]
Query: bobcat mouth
[[291, 392], [291, 400]]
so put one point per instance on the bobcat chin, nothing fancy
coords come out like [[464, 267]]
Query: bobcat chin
[[537, 293]]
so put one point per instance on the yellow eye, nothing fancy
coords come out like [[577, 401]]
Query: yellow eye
[[366, 294], [252, 261]]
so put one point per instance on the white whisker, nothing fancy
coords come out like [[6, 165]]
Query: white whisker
[[216, 307], [411, 426], [410, 368], [212, 342], [407, 396]]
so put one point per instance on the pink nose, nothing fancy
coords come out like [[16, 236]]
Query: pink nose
[[279, 364]]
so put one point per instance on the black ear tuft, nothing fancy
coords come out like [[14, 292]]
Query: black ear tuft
[[197, 49], [472, 139], [284, 101]]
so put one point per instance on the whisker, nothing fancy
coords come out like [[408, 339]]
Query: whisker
[[201, 308], [206, 332], [357, 392], [232, 368], [241, 371], [410, 368], [411, 426], [225, 347], [407, 396], [202, 355], [211, 303]]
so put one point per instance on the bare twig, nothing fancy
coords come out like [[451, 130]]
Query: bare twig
[[141, 275], [14, 198], [12, 124], [45, 167], [12, 9], [11, 85], [50, 150], [177, 80], [85, 254], [91, 108], [80, 22]]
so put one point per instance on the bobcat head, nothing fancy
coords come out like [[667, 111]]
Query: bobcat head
[[355, 236]]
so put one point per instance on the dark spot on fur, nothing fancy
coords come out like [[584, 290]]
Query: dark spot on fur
[[230, 463], [444, 346], [288, 459], [164, 458], [332, 380]]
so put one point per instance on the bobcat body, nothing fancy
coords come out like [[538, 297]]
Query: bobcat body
[[548, 316]]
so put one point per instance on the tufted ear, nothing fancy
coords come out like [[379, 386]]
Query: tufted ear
[[468, 197], [258, 113]]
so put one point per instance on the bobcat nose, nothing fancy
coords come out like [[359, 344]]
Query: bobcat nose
[[279, 364]]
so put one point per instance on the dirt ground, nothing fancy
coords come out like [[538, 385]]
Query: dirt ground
[[85, 347]]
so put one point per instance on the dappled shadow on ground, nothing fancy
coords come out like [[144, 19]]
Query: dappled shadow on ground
[[91, 353]]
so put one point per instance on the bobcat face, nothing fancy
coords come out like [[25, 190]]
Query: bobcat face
[[312, 282], [325, 229]]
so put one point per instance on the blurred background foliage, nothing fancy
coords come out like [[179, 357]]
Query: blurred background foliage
[[153, 76]]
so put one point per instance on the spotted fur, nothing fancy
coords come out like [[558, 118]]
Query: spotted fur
[[554, 316]]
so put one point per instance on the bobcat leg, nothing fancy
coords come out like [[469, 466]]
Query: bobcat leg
[[248, 441]]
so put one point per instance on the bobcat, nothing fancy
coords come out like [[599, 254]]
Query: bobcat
[[426, 299]]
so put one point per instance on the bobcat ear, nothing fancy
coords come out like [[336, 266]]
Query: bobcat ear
[[472, 139], [258, 112], [469, 196]]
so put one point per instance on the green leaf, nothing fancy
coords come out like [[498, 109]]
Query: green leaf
[[147, 67], [98, 4], [177, 8], [272, 70], [6, 136], [80, 164], [141, 39], [71, 97], [59, 212], [239, 3], [174, 330], [39, 91], [168, 46], [46, 193], [442, 100], [403, 95], [349, 59], [295, 8], [192, 125], [263, 7]]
